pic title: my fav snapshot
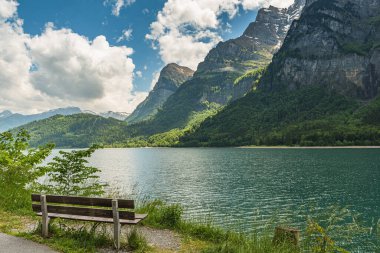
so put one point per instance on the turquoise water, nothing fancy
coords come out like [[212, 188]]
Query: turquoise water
[[245, 188]]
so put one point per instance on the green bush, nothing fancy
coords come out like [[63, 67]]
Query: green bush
[[19, 169], [69, 175]]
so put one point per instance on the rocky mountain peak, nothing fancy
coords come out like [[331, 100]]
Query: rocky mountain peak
[[335, 44], [256, 46], [172, 76]]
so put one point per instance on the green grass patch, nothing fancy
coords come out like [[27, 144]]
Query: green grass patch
[[137, 242]]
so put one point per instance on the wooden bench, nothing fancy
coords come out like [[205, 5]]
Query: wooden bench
[[86, 209]]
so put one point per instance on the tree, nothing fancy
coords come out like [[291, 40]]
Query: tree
[[69, 175], [19, 168]]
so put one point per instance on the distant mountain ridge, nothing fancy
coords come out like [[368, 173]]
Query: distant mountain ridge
[[171, 78], [9, 120]]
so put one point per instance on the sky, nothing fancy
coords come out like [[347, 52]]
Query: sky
[[106, 55]]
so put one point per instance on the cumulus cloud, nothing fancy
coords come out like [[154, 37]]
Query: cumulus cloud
[[61, 68], [8, 9], [195, 25], [117, 5]]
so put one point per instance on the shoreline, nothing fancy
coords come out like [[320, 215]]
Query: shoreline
[[310, 147]]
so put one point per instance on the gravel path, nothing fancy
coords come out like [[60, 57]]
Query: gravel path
[[163, 239], [13, 244], [159, 238]]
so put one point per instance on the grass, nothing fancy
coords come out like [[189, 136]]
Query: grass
[[75, 237], [206, 237], [137, 242], [78, 237]]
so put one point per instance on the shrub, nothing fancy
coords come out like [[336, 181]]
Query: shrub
[[19, 169], [69, 175]]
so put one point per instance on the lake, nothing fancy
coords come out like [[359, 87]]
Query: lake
[[242, 188]]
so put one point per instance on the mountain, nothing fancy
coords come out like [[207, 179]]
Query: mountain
[[116, 115], [171, 77], [5, 114], [336, 44], [76, 131], [9, 120], [257, 45], [176, 106], [320, 89], [228, 72]]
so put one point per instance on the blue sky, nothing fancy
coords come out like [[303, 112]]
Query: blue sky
[[92, 18], [105, 55]]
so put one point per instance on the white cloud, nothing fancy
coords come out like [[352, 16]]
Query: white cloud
[[127, 35], [117, 5], [8, 9], [186, 30], [61, 68]]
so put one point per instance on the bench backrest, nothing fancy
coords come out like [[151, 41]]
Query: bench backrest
[[84, 206]]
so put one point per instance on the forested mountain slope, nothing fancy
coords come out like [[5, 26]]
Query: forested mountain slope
[[321, 88]]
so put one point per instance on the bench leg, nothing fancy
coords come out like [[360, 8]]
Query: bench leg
[[116, 224], [45, 217]]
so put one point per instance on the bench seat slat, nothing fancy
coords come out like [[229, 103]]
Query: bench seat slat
[[85, 201], [95, 219], [81, 211]]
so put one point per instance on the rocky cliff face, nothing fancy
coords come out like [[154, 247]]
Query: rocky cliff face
[[256, 46], [336, 44], [171, 77], [253, 50]]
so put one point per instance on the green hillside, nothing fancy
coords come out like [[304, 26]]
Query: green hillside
[[308, 117], [79, 130]]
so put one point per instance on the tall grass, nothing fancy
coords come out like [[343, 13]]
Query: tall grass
[[334, 231]]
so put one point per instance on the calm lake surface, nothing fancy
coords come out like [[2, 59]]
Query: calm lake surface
[[244, 188], [236, 185]]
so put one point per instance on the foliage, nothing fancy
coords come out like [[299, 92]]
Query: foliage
[[69, 175], [79, 131], [19, 169], [331, 230], [335, 225], [136, 241], [74, 237], [254, 75], [306, 117]]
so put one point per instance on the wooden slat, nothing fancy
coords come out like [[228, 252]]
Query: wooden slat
[[94, 219], [81, 211], [140, 216], [85, 201]]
